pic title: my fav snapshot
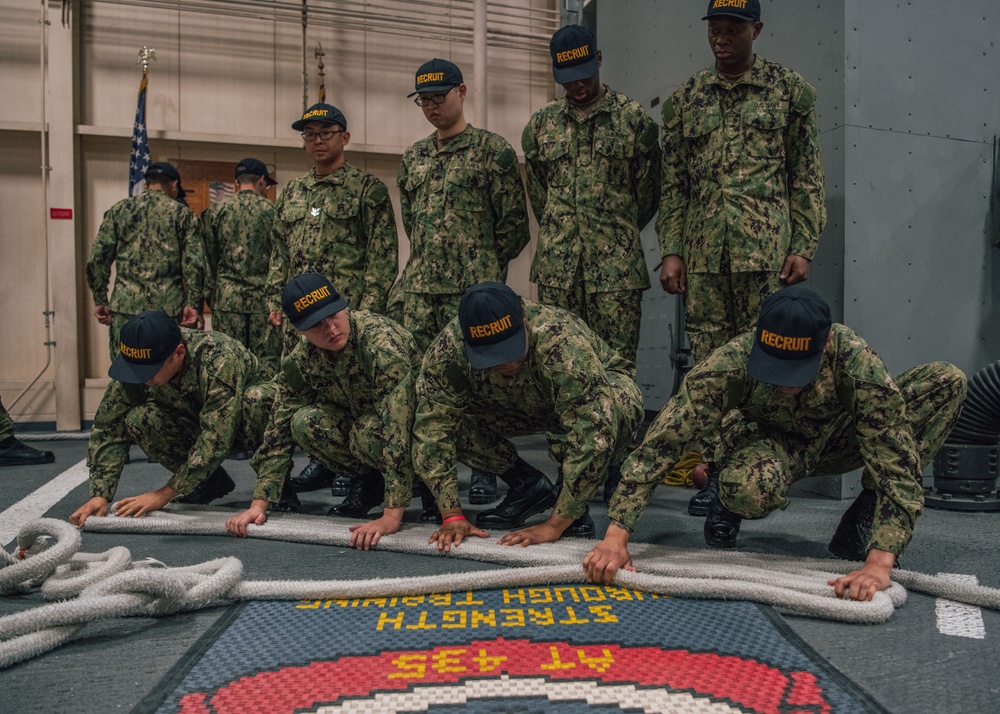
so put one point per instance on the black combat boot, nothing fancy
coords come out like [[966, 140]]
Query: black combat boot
[[484, 487], [313, 477], [721, 526], [582, 527], [429, 512], [341, 485], [850, 541], [701, 502], [367, 491], [16, 453], [529, 492], [216, 485], [289, 501]]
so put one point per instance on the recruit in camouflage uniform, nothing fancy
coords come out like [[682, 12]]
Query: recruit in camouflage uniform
[[237, 233], [743, 190], [355, 410], [852, 415], [463, 208], [571, 384], [219, 401], [156, 245], [594, 183]]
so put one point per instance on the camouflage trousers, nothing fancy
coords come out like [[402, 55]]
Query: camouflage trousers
[[255, 332], [426, 314], [168, 436], [482, 443], [342, 443], [720, 306], [756, 469], [6, 424], [615, 315]]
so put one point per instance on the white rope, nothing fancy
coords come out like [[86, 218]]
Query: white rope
[[91, 587]]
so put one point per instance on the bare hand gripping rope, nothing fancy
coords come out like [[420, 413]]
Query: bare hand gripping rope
[[89, 587]]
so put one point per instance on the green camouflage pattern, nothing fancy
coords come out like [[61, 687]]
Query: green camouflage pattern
[[464, 211], [255, 332], [6, 424], [594, 183], [426, 314], [357, 408], [340, 226], [157, 249], [616, 314], [237, 233], [572, 385], [741, 170], [720, 306], [219, 401], [852, 415]]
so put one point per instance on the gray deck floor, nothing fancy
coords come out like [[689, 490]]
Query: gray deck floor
[[907, 665]]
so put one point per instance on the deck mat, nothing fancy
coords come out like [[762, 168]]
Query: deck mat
[[532, 649]]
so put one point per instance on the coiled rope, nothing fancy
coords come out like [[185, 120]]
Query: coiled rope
[[91, 587]]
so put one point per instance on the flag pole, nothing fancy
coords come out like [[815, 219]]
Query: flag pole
[[139, 157]]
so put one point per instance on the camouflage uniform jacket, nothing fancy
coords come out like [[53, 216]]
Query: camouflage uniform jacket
[[594, 182], [852, 381], [156, 246], [340, 226], [374, 375], [237, 233], [741, 170], [463, 209], [565, 381], [209, 389]]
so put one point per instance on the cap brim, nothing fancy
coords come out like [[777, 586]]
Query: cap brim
[[270, 181], [729, 14], [432, 88], [793, 373], [486, 356], [124, 371], [322, 313], [301, 123], [181, 193], [565, 75]]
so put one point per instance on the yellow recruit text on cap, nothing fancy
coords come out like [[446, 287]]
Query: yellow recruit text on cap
[[135, 352], [741, 4], [575, 53], [315, 296], [780, 342], [491, 328], [315, 113], [430, 77]]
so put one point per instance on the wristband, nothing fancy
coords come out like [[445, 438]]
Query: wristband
[[449, 519]]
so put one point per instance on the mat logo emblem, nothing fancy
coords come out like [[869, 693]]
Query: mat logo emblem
[[650, 678]]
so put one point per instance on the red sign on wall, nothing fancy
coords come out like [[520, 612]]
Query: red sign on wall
[[64, 213]]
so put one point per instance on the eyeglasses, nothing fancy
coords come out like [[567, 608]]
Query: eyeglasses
[[431, 99], [325, 135]]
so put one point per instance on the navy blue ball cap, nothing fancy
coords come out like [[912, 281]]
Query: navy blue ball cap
[[323, 113], [437, 75], [492, 321], [162, 169], [308, 299], [144, 344], [254, 167], [574, 54], [791, 335], [746, 10]]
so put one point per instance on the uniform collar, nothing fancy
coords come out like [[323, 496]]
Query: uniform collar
[[753, 76]]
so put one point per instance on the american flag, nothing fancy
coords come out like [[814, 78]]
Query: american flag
[[139, 159]]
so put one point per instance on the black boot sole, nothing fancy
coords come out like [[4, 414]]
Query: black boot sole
[[534, 510], [481, 499]]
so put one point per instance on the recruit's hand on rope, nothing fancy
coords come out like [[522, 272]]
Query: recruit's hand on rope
[[366, 535], [96, 506], [862, 584], [135, 506], [256, 514], [454, 528], [608, 556], [547, 532]]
